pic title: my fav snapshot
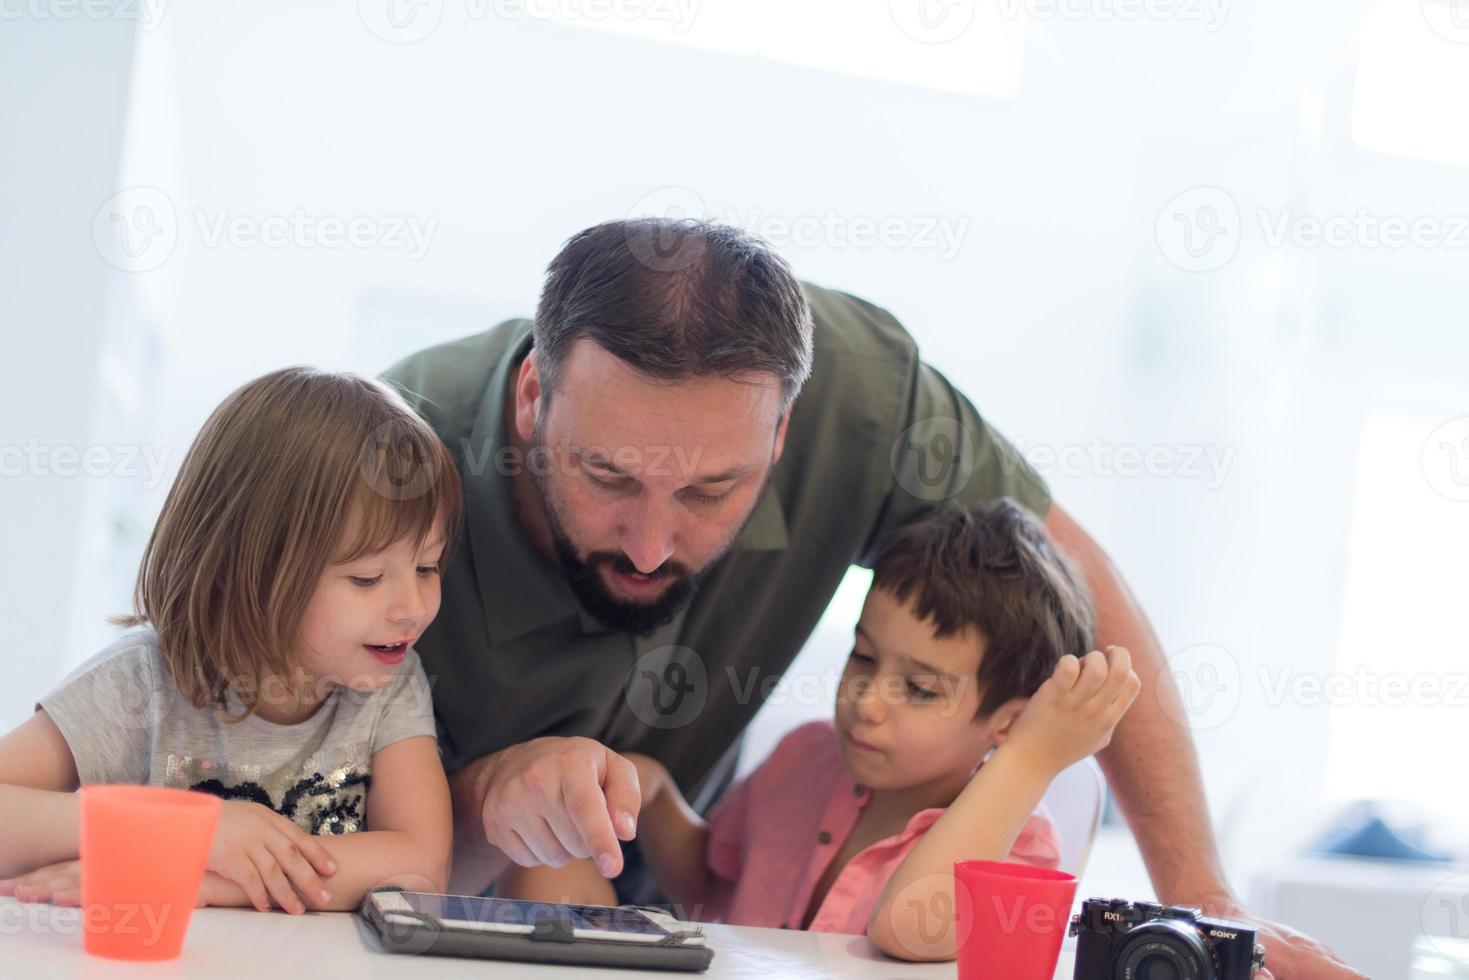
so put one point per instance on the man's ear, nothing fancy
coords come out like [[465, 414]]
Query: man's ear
[[780, 436], [1005, 716], [528, 395]]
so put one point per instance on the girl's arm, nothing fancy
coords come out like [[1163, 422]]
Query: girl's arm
[[410, 838], [38, 803], [1071, 717], [671, 836]]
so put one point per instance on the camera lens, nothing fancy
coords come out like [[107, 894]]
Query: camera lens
[[1163, 950], [1155, 966]]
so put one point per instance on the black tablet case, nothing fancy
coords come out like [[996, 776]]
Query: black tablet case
[[551, 942]]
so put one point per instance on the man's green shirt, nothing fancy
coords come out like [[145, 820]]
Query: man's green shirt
[[876, 438]]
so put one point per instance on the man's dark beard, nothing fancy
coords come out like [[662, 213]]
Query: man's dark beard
[[591, 590], [586, 582]]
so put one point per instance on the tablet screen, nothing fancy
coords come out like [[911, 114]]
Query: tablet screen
[[504, 912]]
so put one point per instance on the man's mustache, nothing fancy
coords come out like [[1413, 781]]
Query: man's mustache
[[619, 562]]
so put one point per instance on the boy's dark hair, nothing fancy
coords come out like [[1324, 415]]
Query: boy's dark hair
[[675, 299], [995, 571]]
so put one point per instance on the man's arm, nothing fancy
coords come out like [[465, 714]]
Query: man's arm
[[1151, 764], [1154, 772]]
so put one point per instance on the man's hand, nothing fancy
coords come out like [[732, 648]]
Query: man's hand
[[1289, 955], [653, 778], [554, 800]]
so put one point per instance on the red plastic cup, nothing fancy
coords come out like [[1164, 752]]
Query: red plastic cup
[[1011, 919], [143, 852]]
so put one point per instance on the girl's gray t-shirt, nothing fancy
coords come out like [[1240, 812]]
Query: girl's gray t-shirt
[[126, 722]]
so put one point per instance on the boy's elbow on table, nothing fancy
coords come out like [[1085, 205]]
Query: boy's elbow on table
[[908, 934]]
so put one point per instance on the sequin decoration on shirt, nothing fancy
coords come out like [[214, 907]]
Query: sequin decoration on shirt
[[322, 797]]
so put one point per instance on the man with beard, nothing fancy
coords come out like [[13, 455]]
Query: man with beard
[[656, 522]]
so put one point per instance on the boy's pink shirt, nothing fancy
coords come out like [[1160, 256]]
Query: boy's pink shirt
[[776, 832]]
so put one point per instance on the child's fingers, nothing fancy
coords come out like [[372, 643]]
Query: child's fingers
[[1068, 669], [35, 891], [32, 893], [7, 886], [311, 849], [1119, 665], [241, 870], [1126, 694], [42, 884], [276, 882], [300, 872], [1093, 675]]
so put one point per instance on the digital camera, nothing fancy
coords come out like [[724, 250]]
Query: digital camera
[[1122, 940]]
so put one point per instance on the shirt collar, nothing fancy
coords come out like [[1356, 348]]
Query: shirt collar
[[522, 591], [849, 789]]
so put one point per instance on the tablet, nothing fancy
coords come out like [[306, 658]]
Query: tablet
[[539, 932]]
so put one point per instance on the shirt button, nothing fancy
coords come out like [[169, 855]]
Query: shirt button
[[858, 790], [823, 838]]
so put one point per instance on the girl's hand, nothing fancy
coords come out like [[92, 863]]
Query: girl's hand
[[1074, 712], [270, 858], [59, 884], [219, 891]]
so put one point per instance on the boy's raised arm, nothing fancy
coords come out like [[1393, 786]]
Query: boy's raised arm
[[1071, 717]]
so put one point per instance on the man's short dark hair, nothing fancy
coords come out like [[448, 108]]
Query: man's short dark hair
[[675, 299], [997, 572]]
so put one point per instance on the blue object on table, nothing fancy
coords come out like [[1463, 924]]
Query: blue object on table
[[1362, 832]]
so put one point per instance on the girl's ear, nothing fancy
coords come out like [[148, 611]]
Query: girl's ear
[[1005, 716]]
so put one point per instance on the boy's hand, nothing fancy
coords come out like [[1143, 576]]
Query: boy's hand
[[59, 884], [1074, 712], [269, 857]]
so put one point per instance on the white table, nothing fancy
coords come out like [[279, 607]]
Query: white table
[[43, 941]]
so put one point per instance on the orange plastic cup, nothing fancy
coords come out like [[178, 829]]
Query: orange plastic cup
[[1011, 919], [143, 852]]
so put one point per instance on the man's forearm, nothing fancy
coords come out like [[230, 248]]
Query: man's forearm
[[1150, 764], [477, 863]]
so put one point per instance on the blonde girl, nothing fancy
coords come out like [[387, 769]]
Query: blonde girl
[[270, 659]]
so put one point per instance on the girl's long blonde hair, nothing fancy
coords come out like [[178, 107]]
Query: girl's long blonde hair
[[260, 509]]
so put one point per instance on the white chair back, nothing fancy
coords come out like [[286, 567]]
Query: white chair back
[[1075, 799]]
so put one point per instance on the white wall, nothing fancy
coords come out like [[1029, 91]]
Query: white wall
[[61, 126]]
